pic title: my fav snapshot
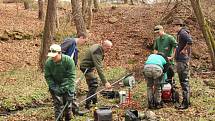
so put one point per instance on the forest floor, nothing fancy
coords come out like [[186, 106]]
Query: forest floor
[[24, 94]]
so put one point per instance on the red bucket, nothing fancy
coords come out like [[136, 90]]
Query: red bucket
[[166, 95]]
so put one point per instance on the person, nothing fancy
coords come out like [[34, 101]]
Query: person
[[69, 46], [154, 68], [93, 60], [166, 44], [182, 58], [60, 75]]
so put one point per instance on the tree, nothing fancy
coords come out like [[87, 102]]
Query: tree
[[26, 4], [89, 14], [41, 11], [125, 1], [49, 31], [78, 18], [57, 17], [84, 10], [206, 30], [132, 2], [96, 5]]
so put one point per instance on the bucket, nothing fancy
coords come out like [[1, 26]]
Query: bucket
[[122, 96], [167, 87], [166, 92], [103, 114], [129, 81]]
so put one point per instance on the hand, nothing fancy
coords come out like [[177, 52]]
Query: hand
[[77, 80], [56, 91], [184, 52], [70, 96], [169, 58], [108, 85]]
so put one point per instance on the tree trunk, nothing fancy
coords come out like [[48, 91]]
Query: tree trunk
[[96, 5], [84, 10], [78, 18], [132, 2], [49, 31], [41, 11], [125, 1], [26, 5], [57, 19], [206, 30], [89, 14]]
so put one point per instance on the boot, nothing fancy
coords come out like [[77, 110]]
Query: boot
[[88, 106], [184, 105], [159, 105], [151, 104]]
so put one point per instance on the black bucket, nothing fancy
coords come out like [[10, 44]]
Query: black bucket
[[103, 114]]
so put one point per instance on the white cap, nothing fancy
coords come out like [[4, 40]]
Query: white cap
[[54, 49]]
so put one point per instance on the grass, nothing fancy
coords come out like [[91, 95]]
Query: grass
[[25, 86], [21, 87]]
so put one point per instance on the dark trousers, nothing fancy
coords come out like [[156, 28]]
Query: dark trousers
[[183, 71], [92, 86], [59, 102]]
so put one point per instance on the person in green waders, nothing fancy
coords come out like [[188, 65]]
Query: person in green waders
[[93, 60], [166, 44], [60, 74]]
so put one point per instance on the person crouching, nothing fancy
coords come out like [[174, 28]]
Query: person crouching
[[155, 67]]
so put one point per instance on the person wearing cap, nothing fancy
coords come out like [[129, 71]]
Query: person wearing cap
[[93, 60], [166, 44], [154, 68], [60, 76], [69, 46], [182, 57]]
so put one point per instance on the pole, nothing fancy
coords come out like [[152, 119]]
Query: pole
[[61, 112], [105, 88]]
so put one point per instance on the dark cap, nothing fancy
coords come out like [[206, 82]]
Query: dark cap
[[178, 22]]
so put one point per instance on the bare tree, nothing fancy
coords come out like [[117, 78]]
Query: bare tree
[[41, 11], [26, 4], [57, 19], [132, 2], [84, 10], [96, 5], [49, 31], [206, 30], [89, 14], [78, 18]]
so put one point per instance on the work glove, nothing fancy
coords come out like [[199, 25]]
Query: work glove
[[56, 91], [70, 96]]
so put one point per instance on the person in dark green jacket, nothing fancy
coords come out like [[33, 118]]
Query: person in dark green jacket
[[155, 67], [93, 60], [60, 76], [166, 44]]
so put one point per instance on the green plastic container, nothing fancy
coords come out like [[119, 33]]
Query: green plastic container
[[129, 81]]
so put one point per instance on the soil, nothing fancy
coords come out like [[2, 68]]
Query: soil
[[131, 33]]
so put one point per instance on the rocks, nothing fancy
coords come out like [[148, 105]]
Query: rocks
[[4, 37], [15, 35], [112, 20], [148, 116]]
